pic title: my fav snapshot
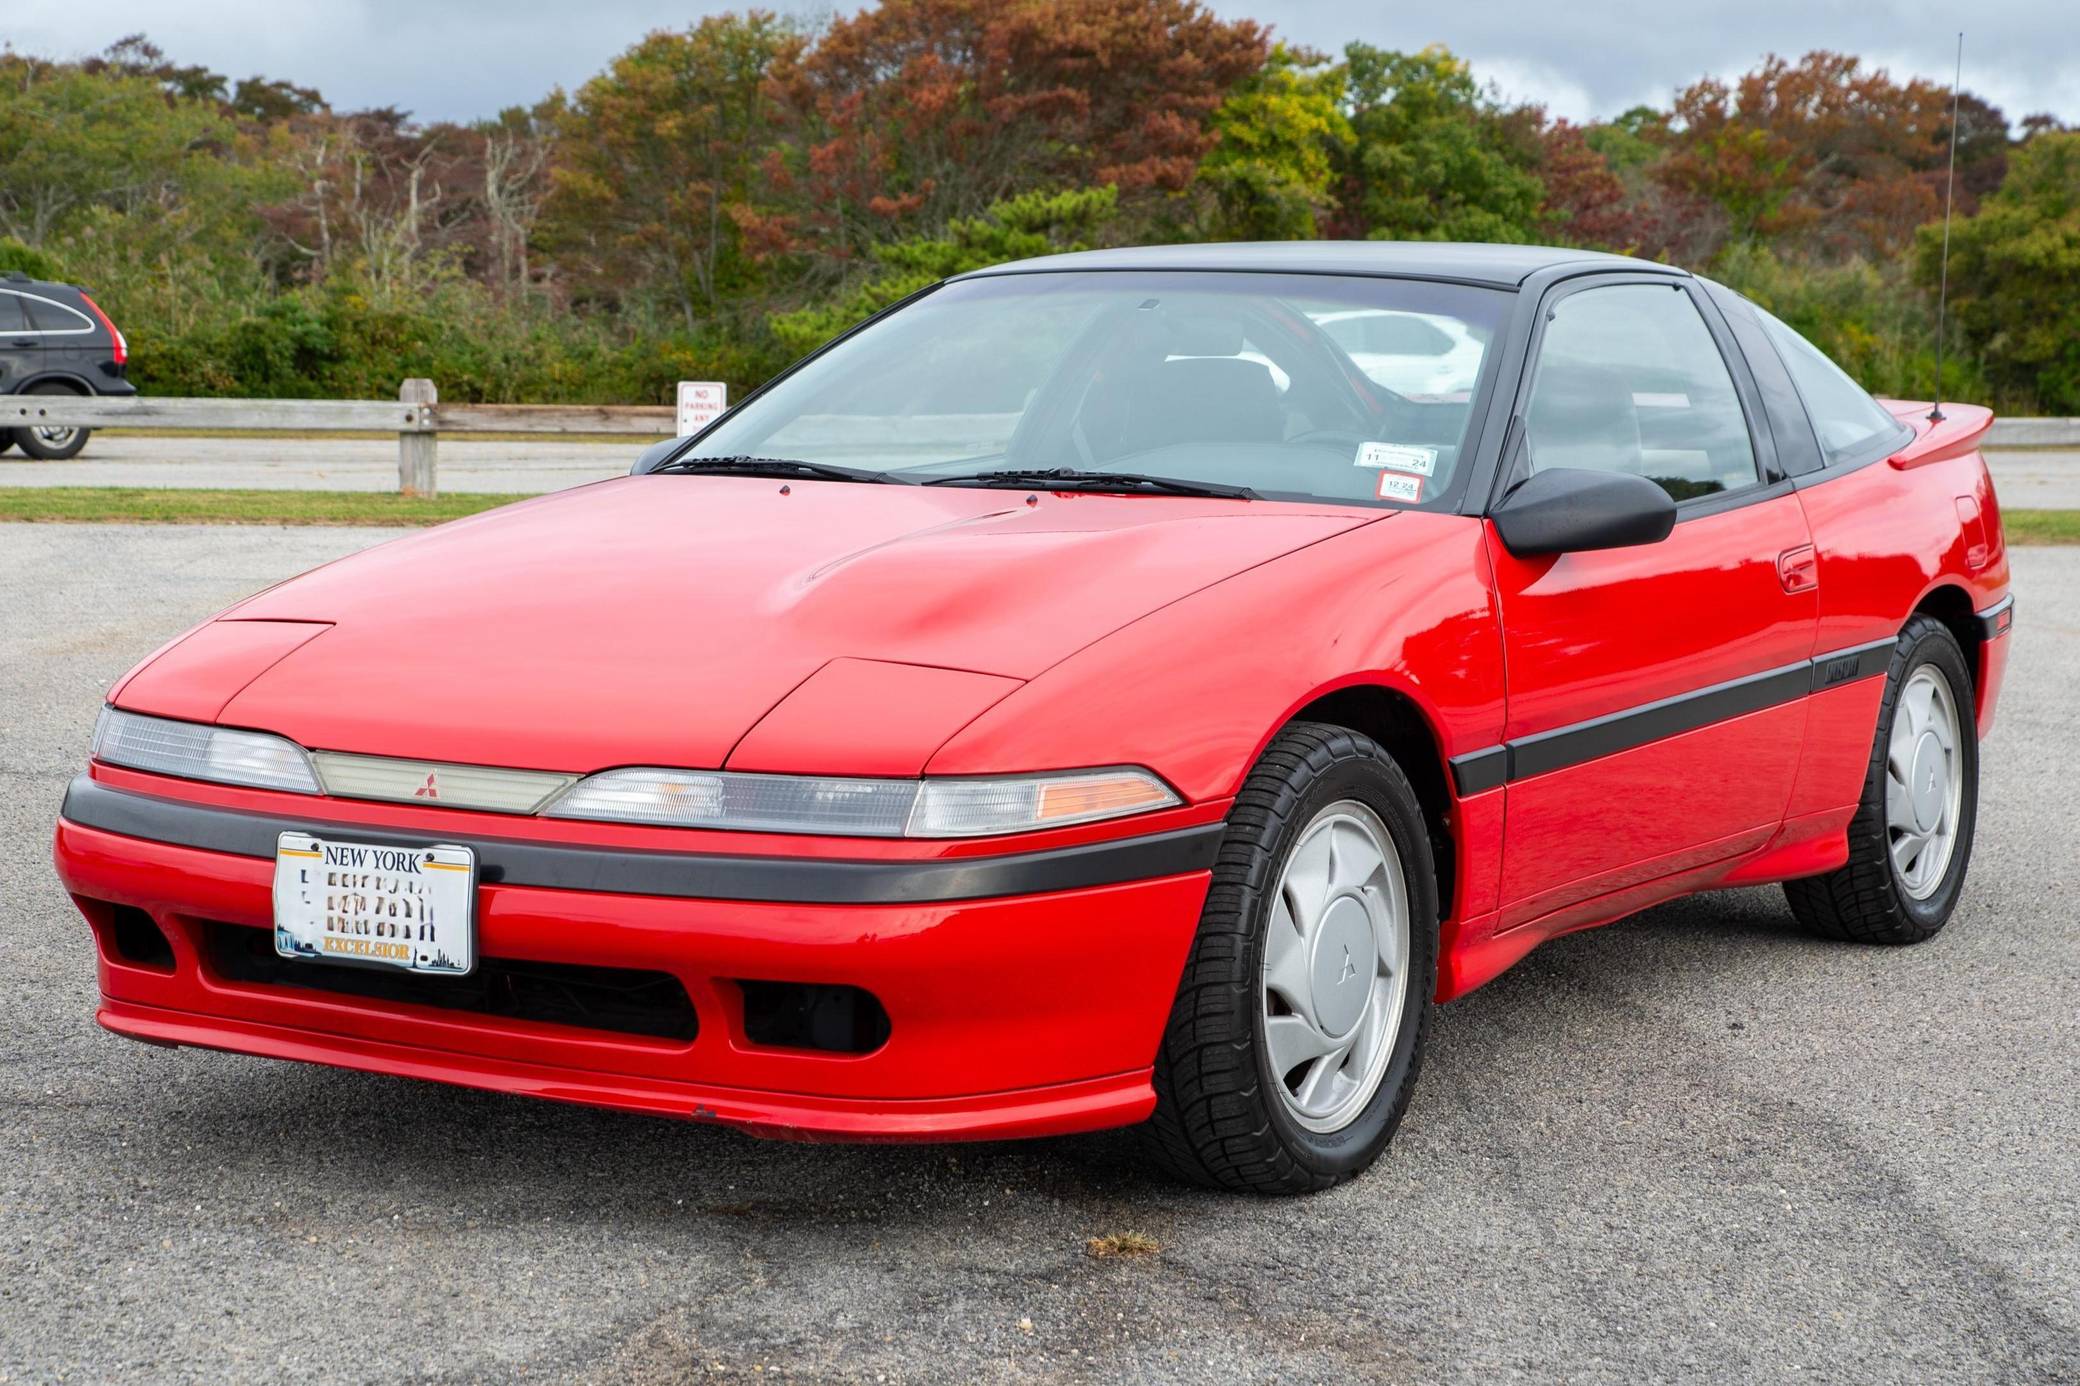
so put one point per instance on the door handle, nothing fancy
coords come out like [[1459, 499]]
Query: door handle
[[1798, 569]]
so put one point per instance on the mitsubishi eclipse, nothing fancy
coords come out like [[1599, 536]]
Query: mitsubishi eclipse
[[1085, 695]]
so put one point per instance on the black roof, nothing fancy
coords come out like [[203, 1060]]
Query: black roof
[[1505, 266], [16, 279]]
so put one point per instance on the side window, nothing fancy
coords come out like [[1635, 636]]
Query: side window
[[12, 318], [1847, 419], [1630, 380]]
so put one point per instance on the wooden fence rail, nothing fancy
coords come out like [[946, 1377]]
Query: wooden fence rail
[[419, 418], [416, 416]]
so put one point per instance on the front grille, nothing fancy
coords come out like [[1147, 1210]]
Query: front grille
[[626, 1001]]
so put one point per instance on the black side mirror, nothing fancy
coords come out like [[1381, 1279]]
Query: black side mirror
[[1568, 510], [654, 454]]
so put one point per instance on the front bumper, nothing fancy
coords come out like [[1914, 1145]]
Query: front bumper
[[1025, 993]]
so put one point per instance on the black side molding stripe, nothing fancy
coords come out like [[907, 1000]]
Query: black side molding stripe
[[1621, 731], [1998, 618], [792, 880], [1478, 771], [1847, 666], [1579, 742]]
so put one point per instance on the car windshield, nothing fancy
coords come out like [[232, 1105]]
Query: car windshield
[[1292, 386]]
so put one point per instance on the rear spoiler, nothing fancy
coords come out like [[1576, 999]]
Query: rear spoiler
[[1958, 432]]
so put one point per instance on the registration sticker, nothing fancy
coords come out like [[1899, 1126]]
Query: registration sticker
[[1397, 487], [1421, 461]]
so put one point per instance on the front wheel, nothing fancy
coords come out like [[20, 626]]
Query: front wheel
[[1298, 1028], [1911, 839], [51, 444]]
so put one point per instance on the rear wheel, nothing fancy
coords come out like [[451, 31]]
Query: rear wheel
[[6, 440], [1299, 1023], [1911, 839], [51, 444]]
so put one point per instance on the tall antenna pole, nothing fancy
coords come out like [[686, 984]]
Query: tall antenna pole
[[1935, 405]]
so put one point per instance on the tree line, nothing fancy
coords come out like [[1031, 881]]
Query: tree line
[[724, 196]]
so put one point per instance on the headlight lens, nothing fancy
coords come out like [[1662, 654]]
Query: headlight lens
[[982, 807], [861, 807], [197, 752]]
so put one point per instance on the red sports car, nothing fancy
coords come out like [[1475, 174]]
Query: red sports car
[[1083, 695]]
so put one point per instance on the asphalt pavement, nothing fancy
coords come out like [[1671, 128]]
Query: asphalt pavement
[[1694, 1145], [2043, 478]]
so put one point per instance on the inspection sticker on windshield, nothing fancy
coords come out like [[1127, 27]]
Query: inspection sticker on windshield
[[1421, 461], [1394, 486]]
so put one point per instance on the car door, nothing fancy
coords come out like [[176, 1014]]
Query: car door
[[1656, 692], [21, 352]]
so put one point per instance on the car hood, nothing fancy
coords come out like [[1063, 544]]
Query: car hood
[[658, 619]]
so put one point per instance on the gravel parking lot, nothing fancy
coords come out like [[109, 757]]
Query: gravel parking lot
[[1695, 1144]]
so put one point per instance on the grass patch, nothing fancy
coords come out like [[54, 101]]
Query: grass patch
[[2041, 526], [1122, 1245], [143, 505]]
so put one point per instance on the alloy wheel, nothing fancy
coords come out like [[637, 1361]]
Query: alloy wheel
[[1924, 783], [1336, 965]]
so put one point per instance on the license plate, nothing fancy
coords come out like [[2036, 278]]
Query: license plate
[[408, 908]]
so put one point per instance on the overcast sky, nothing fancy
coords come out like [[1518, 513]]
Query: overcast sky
[[457, 59]]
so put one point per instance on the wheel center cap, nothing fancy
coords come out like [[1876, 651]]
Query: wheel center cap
[[1928, 783], [1345, 964]]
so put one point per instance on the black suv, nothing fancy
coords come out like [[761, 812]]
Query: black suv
[[54, 340]]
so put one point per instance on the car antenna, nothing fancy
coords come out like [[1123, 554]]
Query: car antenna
[[1935, 405]]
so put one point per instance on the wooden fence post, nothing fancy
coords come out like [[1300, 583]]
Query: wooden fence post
[[417, 443]]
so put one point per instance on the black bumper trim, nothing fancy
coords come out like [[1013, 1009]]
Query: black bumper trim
[[1997, 619], [789, 880]]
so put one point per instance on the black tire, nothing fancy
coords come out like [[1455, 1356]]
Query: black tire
[[28, 442], [1864, 901], [6, 440], [1217, 1122]]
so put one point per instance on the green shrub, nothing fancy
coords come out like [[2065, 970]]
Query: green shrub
[[1873, 320], [2015, 273], [342, 343], [34, 263]]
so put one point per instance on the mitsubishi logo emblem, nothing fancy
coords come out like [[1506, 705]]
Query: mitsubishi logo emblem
[[1350, 969], [430, 790]]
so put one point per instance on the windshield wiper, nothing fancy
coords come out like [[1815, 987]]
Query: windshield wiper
[[1069, 479], [772, 466]]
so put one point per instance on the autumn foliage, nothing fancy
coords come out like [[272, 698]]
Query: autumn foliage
[[918, 112]]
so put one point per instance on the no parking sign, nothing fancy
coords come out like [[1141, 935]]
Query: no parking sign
[[701, 402]]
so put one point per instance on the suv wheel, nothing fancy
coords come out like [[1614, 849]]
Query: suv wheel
[[51, 444]]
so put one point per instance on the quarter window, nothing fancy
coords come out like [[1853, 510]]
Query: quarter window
[[46, 316], [1846, 419], [1630, 380]]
